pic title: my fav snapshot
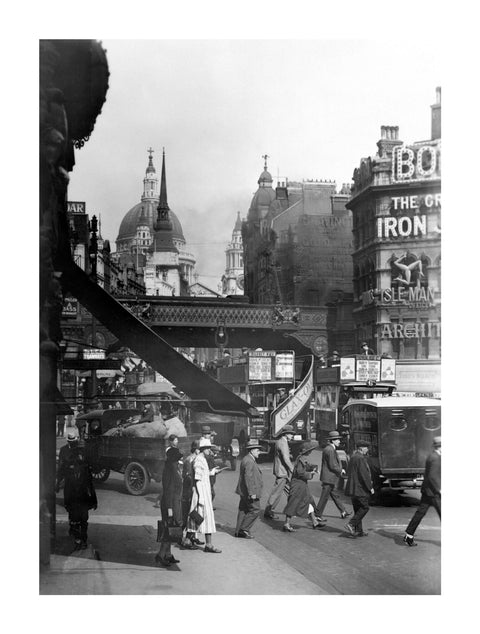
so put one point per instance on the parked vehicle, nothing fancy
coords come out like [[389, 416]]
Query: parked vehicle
[[400, 431], [108, 449]]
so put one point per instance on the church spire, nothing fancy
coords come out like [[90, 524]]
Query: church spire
[[163, 238], [163, 204]]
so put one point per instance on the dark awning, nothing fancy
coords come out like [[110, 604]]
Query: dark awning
[[210, 394]]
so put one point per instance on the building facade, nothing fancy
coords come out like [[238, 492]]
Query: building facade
[[297, 251], [396, 206]]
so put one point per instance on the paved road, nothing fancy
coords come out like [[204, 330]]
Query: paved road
[[338, 564]]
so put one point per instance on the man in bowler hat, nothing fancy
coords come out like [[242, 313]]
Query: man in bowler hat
[[282, 470], [359, 486], [330, 472], [431, 490], [249, 488]]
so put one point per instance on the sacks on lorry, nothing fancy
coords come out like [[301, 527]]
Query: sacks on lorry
[[155, 429], [175, 426]]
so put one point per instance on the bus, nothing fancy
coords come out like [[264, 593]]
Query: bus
[[400, 431]]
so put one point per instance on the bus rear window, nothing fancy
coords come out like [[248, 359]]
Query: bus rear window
[[401, 418]]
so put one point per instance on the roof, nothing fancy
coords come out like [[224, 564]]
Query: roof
[[128, 226], [397, 401]]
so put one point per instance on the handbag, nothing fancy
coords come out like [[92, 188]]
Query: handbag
[[169, 533], [196, 517]]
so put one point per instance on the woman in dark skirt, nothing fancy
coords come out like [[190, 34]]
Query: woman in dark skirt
[[171, 504], [300, 501]]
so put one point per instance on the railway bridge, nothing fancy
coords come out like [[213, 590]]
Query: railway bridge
[[208, 322]]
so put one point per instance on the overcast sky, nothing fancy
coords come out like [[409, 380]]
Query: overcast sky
[[314, 106]]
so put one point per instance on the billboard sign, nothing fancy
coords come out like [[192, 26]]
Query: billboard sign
[[269, 365]]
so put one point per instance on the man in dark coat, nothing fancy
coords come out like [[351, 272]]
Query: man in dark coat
[[79, 493], [359, 486], [249, 488], [431, 491], [329, 474]]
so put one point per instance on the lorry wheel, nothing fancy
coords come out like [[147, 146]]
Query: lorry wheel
[[136, 478], [233, 463], [100, 474]]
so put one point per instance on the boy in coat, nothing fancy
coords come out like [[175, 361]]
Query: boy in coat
[[331, 471], [359, 487], [431, 491], [249, 488]]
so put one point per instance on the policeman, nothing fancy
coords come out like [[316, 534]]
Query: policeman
[[79, 493]]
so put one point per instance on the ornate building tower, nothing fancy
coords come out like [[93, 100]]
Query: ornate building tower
[[162, 268], [138, 232], [232, 279]]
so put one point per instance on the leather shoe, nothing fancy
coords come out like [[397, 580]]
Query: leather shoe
[[319, 525], [211, 549], [162, 561], [268, 515], [244, 534], [409, 541], [320, 518], [361, 533], [350, 529], [196, 541], [288, 529], [172, 560], [345, 514]]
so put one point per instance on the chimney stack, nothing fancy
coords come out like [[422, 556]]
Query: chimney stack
[[437, 115], [389, 139]]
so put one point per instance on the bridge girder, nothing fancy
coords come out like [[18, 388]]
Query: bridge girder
[[194, 322]]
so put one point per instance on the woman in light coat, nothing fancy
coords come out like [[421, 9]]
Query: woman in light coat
[[202, 496]]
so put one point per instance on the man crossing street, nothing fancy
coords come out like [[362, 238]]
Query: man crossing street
[[249, 488]]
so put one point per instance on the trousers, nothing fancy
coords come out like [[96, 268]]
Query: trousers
[[361, 507], [78, 520], [248, 511], [426, 502], [276, 493], [328, 490]]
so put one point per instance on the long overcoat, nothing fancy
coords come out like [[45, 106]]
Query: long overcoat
[[202, 497], [300, 497], [75, 470], [172, 482], [250, 479]]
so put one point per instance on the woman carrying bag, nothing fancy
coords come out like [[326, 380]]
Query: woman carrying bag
[[202, 498], [300, 500]]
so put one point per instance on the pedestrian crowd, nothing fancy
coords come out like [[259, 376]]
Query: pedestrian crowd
[[186, 500]]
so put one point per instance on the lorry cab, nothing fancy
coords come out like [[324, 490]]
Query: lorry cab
[[400, 431]]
